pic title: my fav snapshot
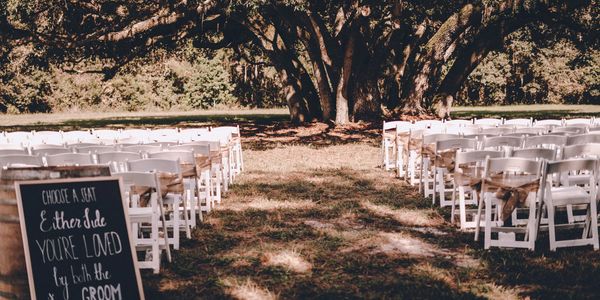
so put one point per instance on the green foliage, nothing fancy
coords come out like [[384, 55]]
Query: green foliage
[[26, 92], [529, 71], [202, 83], [194, 80]]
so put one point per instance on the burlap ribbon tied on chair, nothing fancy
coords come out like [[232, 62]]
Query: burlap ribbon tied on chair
[[512, 190], [512, 197], [170, 183], [445, 159]]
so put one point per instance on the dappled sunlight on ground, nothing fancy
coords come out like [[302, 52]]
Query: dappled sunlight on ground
[[302, 158], [265, 204], [408, 217], [326, 222], [289, 259], [247, 290]]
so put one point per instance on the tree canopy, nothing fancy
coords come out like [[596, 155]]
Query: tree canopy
[[336, 60]]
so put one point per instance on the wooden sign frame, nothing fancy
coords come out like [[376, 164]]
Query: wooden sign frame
[[25, 238]]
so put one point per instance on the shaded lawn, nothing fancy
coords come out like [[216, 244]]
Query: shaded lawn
[[327, 223]]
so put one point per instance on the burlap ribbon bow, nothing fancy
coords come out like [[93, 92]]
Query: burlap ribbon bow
[[513, 197], [445, 159]]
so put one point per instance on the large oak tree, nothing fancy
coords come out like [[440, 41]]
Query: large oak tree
[[338, 60]]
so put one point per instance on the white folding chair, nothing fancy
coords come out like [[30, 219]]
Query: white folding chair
[[568, 130], [13, 152], [531, 131], [545, 141], [427, 151], [206, 187], [463, 123], [79, 136], [548, 123], [468, 170], [496, 214], [218, 161], [234, 135], [173, 198], [445, 154], [117, 161], [395, 134], [579, 151], [519, 122], [20, 160], [46, 137], [136, 185], [589, 138], [49, 149], [561, 197], [18, 137], [578, 121], [503, 143], [142, 149], [192, 195], [488, 122], [69, 159]]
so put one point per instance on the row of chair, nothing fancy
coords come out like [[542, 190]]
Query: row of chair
[[448, 166], [435, 144], [169, 185], [397, 131], [540, 192], [115, 136]]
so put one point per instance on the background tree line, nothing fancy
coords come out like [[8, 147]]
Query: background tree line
[[327, 60]]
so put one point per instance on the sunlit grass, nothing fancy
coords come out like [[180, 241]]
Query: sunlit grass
[[289, 259], [247, 290]]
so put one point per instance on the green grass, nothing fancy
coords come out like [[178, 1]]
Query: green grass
[[256, 117], [72, 121]]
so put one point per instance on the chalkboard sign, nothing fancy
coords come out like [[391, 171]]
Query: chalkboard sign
[[76, 239]]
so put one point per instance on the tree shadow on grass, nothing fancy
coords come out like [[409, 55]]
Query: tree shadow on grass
[[259, 131], [335, 234]]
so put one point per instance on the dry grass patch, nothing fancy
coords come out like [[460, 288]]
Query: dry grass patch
[[262, 203], [409, 217], [289, 259], [172, 285], [494, 291], [429, 271], [301, 158], [247, 290]]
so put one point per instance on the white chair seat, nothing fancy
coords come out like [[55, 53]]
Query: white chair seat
[[569, 195], [140, 213], [579, 179]]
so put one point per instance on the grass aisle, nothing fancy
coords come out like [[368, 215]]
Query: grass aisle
[[326, 222]]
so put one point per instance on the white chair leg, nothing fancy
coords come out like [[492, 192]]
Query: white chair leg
[[488, 223], [462, 207], [478, 218], [551, 227]]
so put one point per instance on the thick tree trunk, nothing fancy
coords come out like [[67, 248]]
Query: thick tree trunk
[[366, 101], [486, 40], [436, 52], [342, 115], [299, 112]]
